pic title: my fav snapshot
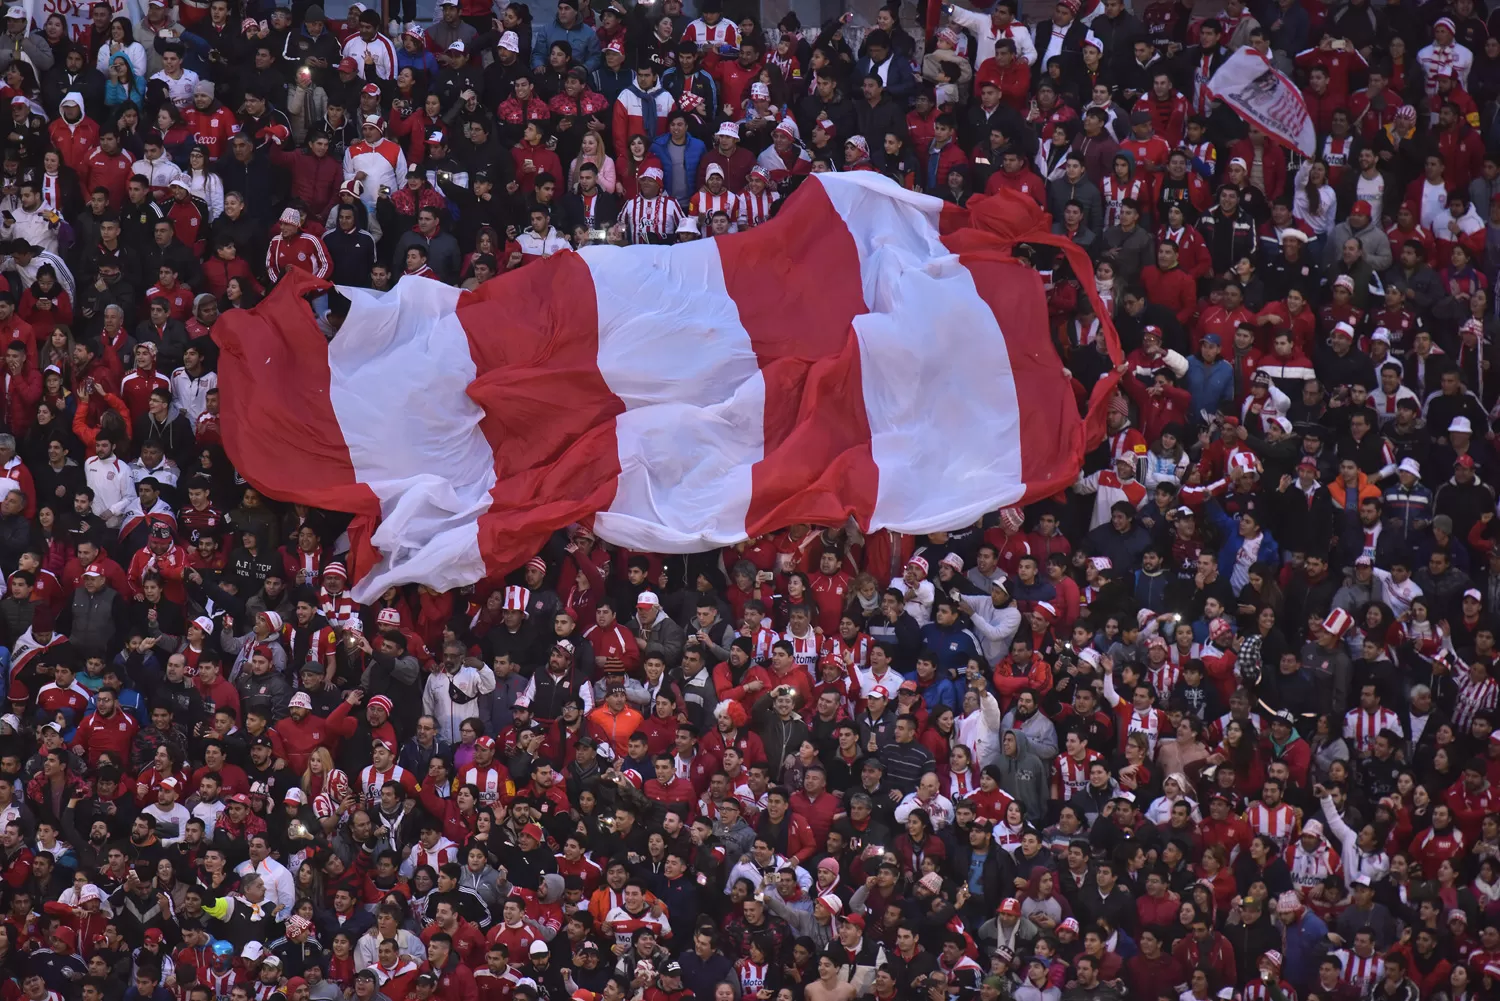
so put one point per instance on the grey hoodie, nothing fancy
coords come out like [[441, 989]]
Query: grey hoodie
[[1354, 595], [1041, 731], [1024, 776], [737, 839]]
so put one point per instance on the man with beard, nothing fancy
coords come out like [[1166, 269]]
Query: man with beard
[[1026, 717], [540, 968], [310, 636]]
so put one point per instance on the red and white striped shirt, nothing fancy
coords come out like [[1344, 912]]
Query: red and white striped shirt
[[856, 654], [371, 781], [1179, 657], [1474, 695], [764, 638], [51, 192], [1153, 723], [1360, 972], [492, 785], [1310, 868], [220, 983], [805, 649], [700, 32], [756, 209], [1277, 823], [651, 220], [1259, 990], [752, 977], [705, 203], [1074, 775], [1115, 192], [1363, 727], [962, 785], [1163, 679]]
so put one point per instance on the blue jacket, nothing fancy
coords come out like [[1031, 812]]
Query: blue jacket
[[900, 82], [940, 692], [1408, 507], [1151, 592], [1209, 385], [673, 81], [423, 61], [954, 645], [581, 37], [610, 82], [1041, 590], [1229, 552], [694, 152], [1303, 950]]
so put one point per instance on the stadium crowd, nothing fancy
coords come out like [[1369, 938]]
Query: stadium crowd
[[1218, 721]]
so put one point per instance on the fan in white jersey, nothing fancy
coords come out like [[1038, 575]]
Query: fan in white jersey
[[651, 216], [1361, 964], [1260, 989], [633, 913], [1369, 720], [757, 198], [1311, 858], [373, 777]]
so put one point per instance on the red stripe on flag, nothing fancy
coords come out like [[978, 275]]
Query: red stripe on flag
[[1051, 432], [549, 415], [799, 310], [277, 416], [1014, 219]]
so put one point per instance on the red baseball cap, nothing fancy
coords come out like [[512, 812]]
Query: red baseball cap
[[1361, 207]]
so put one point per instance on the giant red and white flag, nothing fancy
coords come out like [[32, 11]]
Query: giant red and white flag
[[870, 353]]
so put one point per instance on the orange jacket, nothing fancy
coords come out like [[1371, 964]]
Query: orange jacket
[[1366, 489], [606, 724]]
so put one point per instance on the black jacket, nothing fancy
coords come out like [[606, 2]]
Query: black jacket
[[352, 255], [254, 180], [1228, 237], [1251, 941], [874, 122], [997, 877], [571, 213]]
